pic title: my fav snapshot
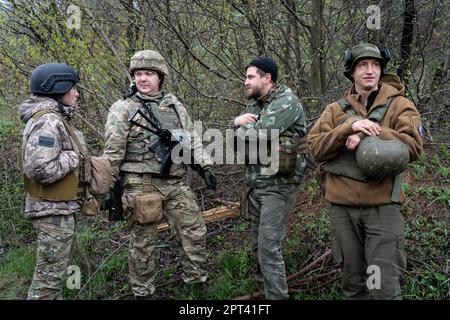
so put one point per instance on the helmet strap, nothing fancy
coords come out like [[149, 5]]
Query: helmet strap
[[61, 108]]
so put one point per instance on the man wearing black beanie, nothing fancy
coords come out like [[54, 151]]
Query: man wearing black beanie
[[275, 116]]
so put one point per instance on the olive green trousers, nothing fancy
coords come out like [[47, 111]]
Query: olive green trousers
[[268, 209], [370, 244]]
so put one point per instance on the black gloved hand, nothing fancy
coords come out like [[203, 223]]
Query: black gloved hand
[[210, 178], [131, 91], [105, 201]]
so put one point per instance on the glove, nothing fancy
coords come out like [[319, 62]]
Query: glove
[[210, 178], [131, 91], [105, 201]]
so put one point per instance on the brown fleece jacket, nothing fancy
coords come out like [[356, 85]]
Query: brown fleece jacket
[[328, 136]]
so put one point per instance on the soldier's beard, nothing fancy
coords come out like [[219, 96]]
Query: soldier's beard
[[253, 94]]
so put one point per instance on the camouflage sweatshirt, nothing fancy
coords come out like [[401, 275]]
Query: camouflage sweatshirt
[[328, 136], [280, 110], [126, 145], [49, 154]]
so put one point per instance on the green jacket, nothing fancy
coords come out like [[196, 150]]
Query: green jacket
[[280, 109]]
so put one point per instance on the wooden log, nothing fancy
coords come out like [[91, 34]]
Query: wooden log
[[212, 215]]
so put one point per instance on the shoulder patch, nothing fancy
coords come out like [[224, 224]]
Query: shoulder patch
[[421, 130], [48, 142]]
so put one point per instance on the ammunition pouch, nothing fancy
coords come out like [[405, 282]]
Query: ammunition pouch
[[344, 164], [148, 208], [135, 151], [101, 177], [96, 173], [290, 147], [287, 155]]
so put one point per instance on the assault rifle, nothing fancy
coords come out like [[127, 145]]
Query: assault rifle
[[165, 143], [161, 147]]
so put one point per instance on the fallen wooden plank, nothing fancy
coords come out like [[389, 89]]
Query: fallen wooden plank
[[212, 215]]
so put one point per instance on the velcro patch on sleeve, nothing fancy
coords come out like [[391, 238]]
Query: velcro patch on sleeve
[[48, 142]]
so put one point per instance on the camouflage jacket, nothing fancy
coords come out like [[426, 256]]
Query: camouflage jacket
[[49, 155], [126, 145], [280, 110]]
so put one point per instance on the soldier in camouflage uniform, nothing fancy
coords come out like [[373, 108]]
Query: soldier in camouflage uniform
[[271, 194], [366, 222], [131, 160], [50, 162]]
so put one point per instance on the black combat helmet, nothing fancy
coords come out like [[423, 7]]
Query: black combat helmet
[[53, 79]]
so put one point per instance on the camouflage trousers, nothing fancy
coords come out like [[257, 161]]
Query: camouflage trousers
[[268, 210], [369, 237], [55, 236], [186, 222]]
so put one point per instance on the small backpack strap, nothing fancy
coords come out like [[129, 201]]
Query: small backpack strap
[[378, 113], [346, 107]]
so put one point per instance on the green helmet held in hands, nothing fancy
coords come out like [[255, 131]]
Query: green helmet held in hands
[[381, 158], [148, 59]]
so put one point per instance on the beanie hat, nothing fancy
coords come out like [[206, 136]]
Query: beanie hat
[[266, 64]]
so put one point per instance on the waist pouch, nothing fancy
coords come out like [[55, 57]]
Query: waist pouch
[[287, 155], [148, 208], [90, 205]]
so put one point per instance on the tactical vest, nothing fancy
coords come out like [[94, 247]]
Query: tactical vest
[[138, 158], [344, 164], [66, 189]]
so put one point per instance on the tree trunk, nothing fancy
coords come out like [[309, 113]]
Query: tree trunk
[[292, 39], [132, 29], [441, 73], [316, 48], [407, 39], [255, 26]]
